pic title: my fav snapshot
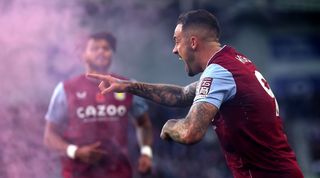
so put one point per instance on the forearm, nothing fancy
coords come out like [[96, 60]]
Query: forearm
[[53, 139], [178, 131], [192, 128], [144, 135], [144, 130], [169, 95], [55, 142]]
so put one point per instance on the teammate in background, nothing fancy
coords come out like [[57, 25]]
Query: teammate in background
[[231, 95], [89, 129]]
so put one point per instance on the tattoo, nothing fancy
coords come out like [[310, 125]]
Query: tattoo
[[170, 95], [191, 129]]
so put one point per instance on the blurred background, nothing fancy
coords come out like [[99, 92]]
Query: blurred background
[[39, 46]]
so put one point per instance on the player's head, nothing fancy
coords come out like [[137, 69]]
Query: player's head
[[194, 27], [99, 50]]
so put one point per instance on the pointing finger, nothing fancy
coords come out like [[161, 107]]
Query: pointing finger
[[107, 90], [102, 86], [96, 76]]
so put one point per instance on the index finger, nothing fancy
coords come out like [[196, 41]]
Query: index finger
[[96, 76]]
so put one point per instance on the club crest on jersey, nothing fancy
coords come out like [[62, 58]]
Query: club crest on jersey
[[81, 95], [120, 96], [204, 87]]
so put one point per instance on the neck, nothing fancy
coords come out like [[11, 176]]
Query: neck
[[96, 71], [208, 51], [90, 70]]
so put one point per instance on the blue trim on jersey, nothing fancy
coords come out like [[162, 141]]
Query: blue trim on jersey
[[57, 111], [222, 88]]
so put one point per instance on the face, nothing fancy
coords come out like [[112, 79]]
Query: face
[[183, 48], [98, 55]]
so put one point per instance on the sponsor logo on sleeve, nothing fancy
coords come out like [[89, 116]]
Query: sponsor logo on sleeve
[[204, 87]]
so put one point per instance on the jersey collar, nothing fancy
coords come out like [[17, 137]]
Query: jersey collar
[[215, 54]]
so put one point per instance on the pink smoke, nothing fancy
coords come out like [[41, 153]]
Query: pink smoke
[[37, 40]]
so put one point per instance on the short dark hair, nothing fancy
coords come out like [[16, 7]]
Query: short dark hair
[[105, 36], [199, 18]]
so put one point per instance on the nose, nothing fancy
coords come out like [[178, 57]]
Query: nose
[[174, 50], [100, 50]]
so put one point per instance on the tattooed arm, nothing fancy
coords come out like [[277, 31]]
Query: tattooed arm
[[191, 129], [169, 95], [165, 94]]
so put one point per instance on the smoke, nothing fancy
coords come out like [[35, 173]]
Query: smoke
[[37, 40], [35, 37], [39, 47]]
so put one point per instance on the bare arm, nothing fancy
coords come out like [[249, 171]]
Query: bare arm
[[86, 153], [169, 95], [144, 130], [52, 138], [144, 134], [191, 129]]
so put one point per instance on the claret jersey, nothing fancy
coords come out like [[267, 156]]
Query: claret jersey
[[248, 123], [88, 117]]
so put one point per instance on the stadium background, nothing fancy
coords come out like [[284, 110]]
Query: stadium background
[[40, 42]]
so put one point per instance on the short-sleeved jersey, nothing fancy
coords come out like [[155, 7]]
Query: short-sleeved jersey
[[57, 110], [88, 116], [248, 124]]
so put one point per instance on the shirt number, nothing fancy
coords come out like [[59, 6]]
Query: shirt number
[[267, 88]]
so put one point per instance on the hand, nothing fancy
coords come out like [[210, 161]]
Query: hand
[[90, 153], [144, 164], [165, 129], [109, 83]]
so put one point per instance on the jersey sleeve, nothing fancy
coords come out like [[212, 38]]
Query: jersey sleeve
[[216, 86], [139, 106], [57, 110]]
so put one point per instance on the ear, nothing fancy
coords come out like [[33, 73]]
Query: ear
[[194, 42]]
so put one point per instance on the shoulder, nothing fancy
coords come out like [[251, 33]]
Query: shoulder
[[58, 89], [214, 70]]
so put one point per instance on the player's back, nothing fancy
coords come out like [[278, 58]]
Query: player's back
[[248, 125]]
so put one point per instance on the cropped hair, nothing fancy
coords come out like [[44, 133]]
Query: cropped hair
[[105, 36], [199, 18]]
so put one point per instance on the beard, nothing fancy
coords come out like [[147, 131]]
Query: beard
[[189, 70], [191, 61], [99, 68]]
